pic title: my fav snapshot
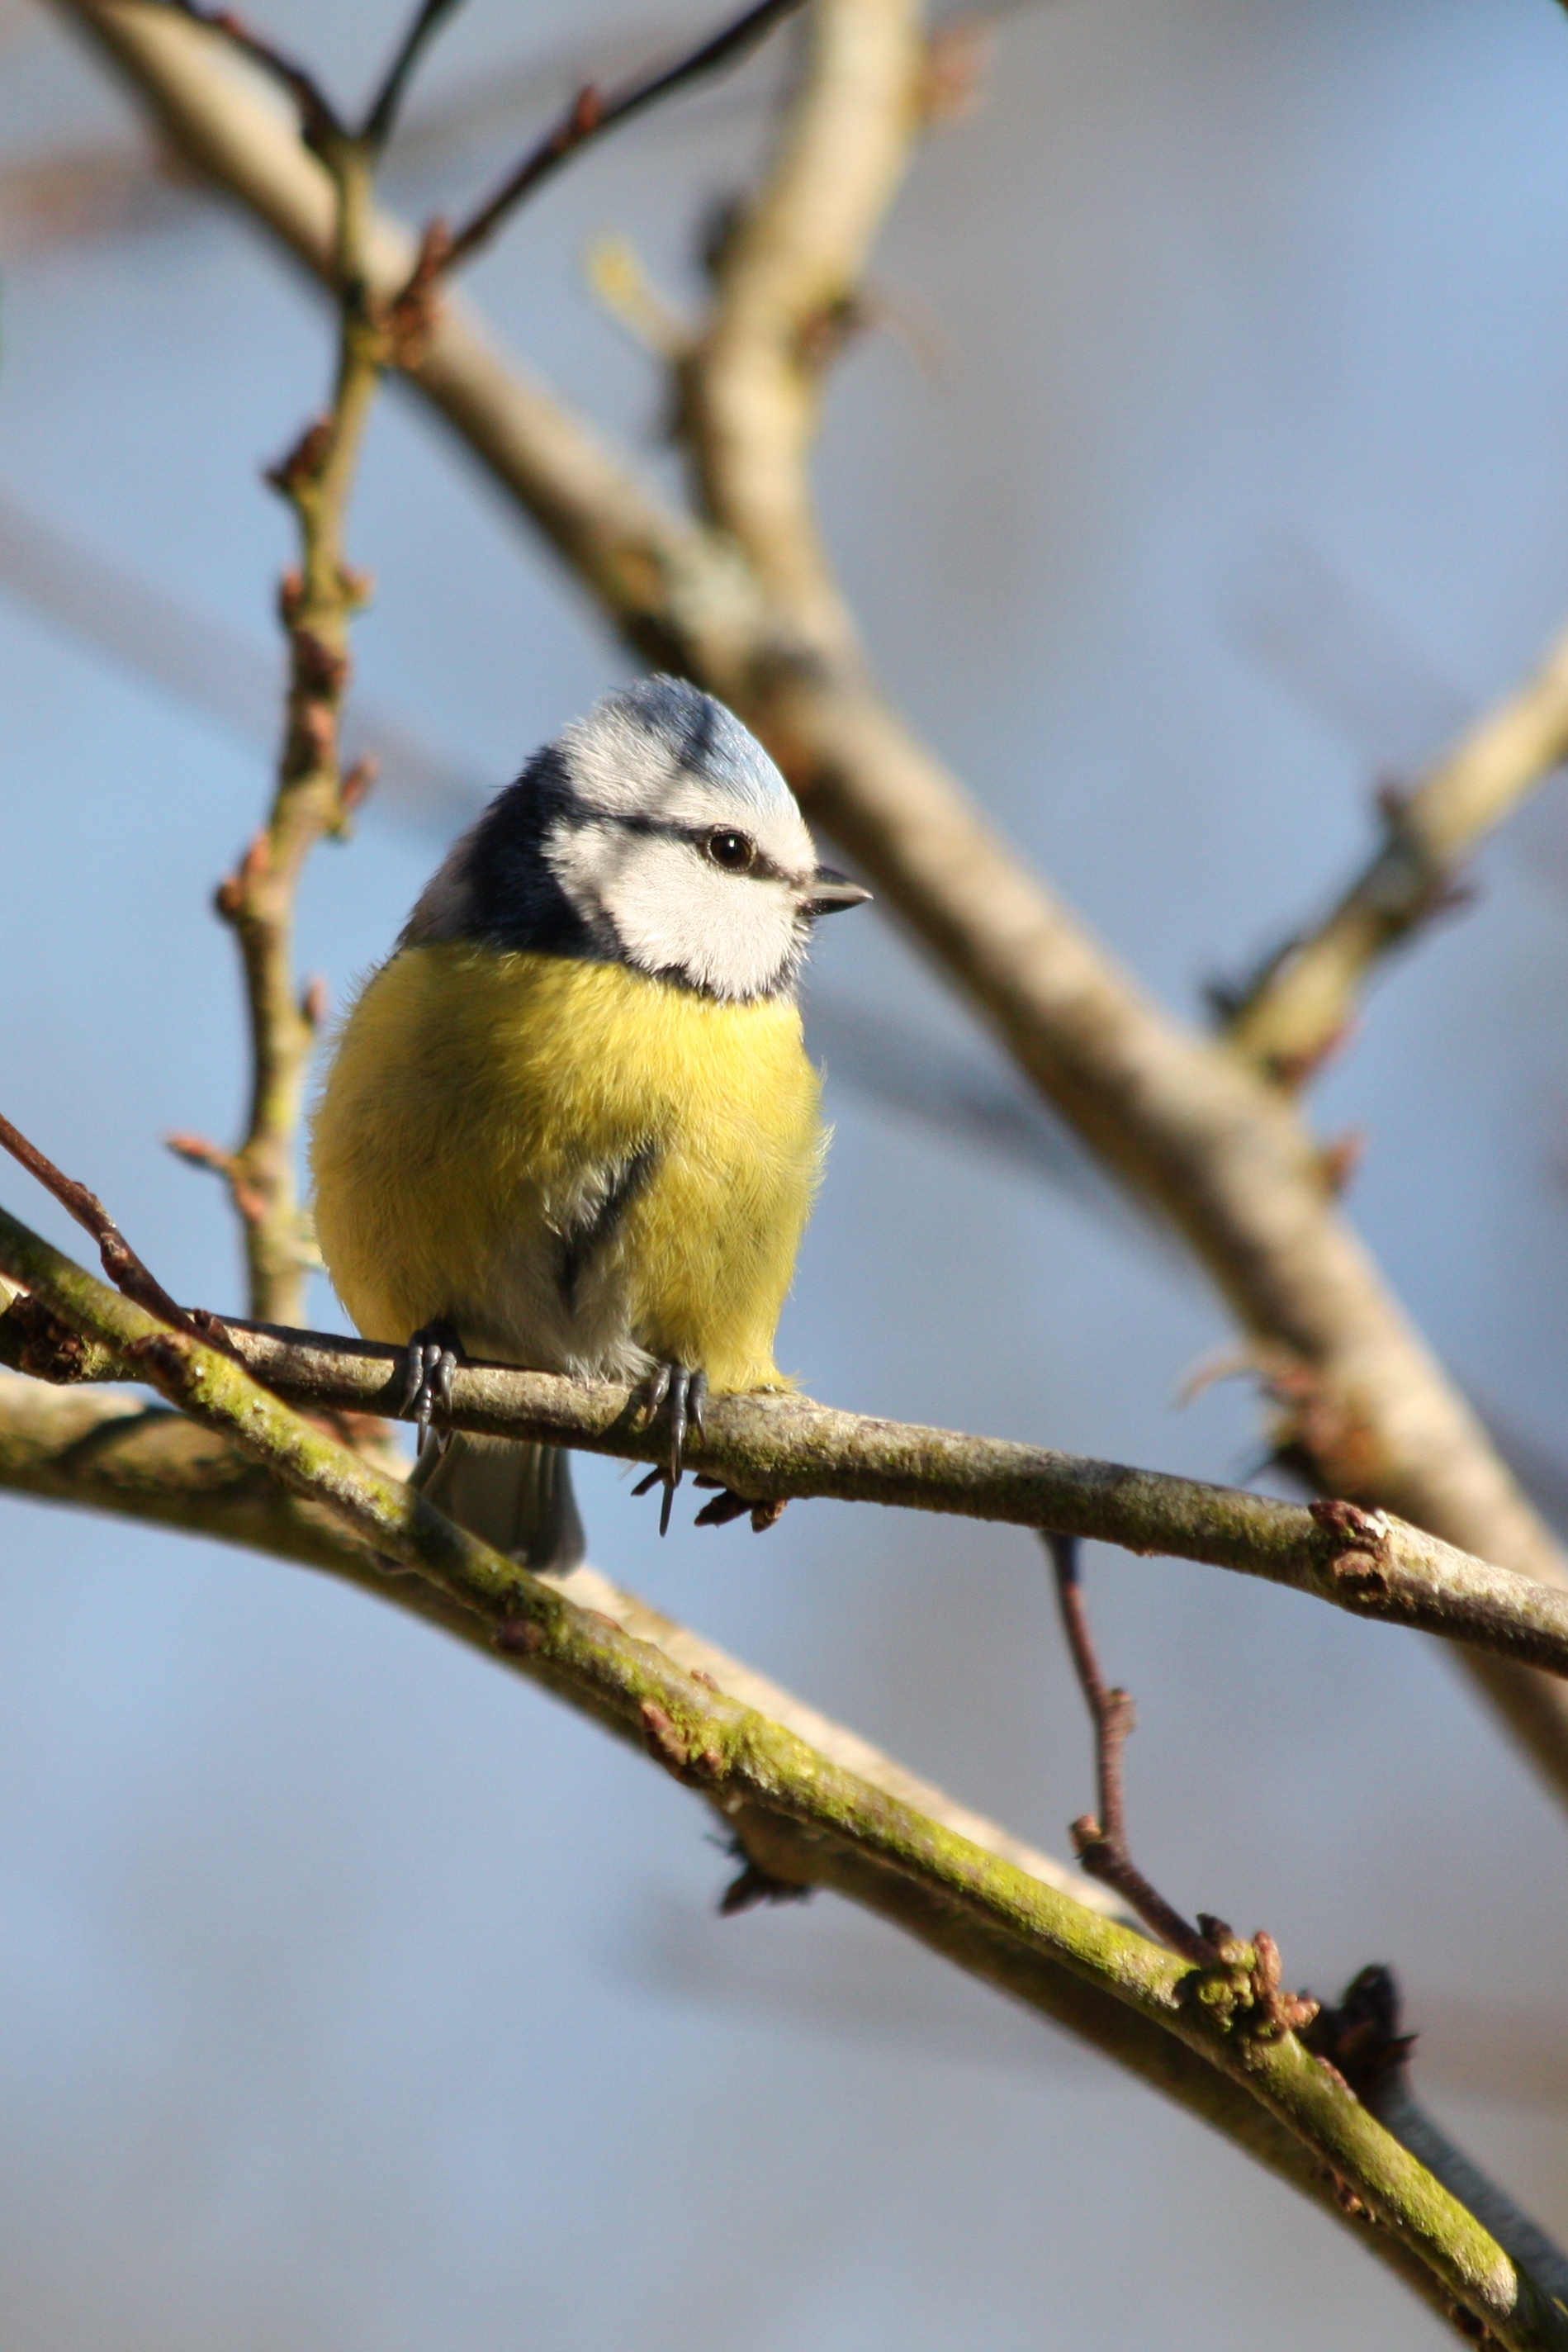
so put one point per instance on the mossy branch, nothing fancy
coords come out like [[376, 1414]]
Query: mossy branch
[[747, 1766], [783, 1447], [100, 1451]]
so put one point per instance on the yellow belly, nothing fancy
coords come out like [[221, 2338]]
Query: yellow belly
[[472, 1098]]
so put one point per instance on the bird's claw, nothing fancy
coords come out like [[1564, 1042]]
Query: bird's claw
[[727, 1505], [685, 1394], [433, 1355]]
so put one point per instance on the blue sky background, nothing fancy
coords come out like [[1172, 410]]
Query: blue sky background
[[352, 1995]]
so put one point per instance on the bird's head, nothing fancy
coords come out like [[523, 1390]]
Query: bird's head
[[655, 832]]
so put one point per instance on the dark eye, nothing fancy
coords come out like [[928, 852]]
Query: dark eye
[[735, 852]]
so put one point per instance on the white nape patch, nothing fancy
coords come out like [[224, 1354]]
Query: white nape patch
[[673, 910]]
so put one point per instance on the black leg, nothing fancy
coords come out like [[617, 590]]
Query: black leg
[[685, 1395], [434, 1353]]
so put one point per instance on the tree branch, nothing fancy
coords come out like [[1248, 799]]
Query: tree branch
[[1101, 1840], [319, 118], [787, 280], [381, 116], [758, 1774], [591, 114], [124, 1268], [133, 1461], [109, 1453], [1363, 1407], [778, 1447], [313, 797], [677, 589], [1294, 1013]]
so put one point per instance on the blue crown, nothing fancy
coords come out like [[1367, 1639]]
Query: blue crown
[[700, 736]]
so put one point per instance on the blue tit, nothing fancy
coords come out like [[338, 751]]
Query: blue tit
[[570, 1124]]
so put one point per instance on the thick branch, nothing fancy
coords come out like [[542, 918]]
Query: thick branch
[[774, 1447], [106, 1453], [1302, 1002], [744, 1765], [110, 1454], [1179, 1119]]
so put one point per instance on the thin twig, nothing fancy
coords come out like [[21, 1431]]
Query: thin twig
[[319, 118], [314, 797], [1101, 1842], [1101, 1845], [1102, 1849], [124, 1268], [591, 115], [381, 116]]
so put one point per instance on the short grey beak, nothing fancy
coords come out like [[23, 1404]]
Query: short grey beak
[[832, 890]]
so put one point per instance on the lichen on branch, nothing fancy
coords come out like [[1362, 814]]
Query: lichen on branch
[[744, 1765]]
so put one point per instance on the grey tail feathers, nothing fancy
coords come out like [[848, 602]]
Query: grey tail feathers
[[518, 1497]]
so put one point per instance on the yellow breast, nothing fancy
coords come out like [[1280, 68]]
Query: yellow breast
[[473, 1095]]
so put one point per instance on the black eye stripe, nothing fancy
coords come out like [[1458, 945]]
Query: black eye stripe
[[759, 865]]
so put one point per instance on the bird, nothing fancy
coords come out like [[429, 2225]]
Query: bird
[[571, 1123]]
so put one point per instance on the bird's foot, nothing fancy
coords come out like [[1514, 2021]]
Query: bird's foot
[[685, 1393], [433, 1355], [727, 1505]]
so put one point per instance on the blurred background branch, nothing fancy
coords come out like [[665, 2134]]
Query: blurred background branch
[[1298, 1008]]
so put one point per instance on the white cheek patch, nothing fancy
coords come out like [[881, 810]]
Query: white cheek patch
[[735, 935], [651, 781]]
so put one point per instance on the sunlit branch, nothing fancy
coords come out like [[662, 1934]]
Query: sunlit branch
[[774, 1447], [760, 1777]]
